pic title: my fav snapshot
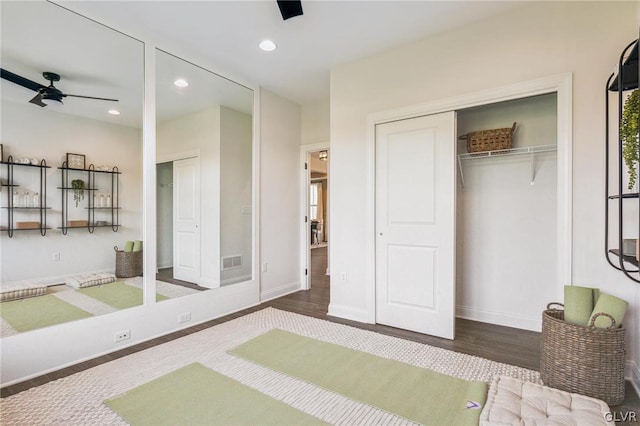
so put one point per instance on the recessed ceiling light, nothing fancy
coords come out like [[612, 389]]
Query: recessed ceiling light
[[114, 112], [267, 45], [181, 82]]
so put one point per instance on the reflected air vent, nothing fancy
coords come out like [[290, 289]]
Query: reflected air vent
[[232, 262]]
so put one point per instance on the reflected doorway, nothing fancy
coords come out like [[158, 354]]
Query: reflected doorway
[[318, 212], [165, 217]]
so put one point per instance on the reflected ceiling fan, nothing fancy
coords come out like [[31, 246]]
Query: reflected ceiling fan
[[290, 8], [46, 95]]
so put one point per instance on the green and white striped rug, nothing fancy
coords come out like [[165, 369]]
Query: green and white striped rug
[[415, 393], [80, 398]]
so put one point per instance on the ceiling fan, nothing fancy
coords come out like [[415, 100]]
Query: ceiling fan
[[46, 95], [290, 8]]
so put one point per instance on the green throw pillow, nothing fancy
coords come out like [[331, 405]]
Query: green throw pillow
[[611, 305], [578, 304]]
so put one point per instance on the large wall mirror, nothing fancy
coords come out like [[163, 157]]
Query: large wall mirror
[[204, 178], [41, 268]]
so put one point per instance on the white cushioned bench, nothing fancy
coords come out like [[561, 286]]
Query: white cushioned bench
[[17, 291], [514, 402], [89, 280]]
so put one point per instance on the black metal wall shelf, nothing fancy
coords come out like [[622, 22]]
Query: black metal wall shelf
[[113, 208], [41, 207], [626, 79]]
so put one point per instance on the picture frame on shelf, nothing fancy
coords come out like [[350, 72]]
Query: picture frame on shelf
[[76, 161]]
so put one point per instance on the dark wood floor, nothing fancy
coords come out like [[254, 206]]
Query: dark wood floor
[[502, 344], [166, 275]]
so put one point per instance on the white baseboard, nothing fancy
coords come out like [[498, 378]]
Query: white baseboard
[[348, 312], [499, 318], [209, 282], [235, 280], [280, 291], [632, 374], [165, 266]]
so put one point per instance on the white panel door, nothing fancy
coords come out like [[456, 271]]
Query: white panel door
[[186, 220], [415, 224]]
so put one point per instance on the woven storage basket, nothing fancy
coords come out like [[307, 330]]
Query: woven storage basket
[[585, 360], [489, 140], [128, 263]]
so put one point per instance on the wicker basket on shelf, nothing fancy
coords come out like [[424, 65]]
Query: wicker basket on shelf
[[489, 140], [128, 263], [585, 360]]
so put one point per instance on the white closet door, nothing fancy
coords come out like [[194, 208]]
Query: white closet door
[[415, 224], [186, 220]]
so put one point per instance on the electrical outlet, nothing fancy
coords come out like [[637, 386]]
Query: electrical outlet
[[55, 257], [122, 335], [265, 267], [184, 317], [343, 277]]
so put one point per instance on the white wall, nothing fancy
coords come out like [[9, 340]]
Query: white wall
[[222, 138], [28, 255], [200, 133], [504, 224], [544, 39], [279, 195], [235, 192], [315, 123]]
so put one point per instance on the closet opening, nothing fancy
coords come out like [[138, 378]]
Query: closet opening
[[507, 256]]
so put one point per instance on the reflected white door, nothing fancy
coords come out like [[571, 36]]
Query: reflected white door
[[415, 224], [186, 220]]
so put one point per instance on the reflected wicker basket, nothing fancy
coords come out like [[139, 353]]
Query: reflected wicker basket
[[489, 140], [585, 360], [128, 263]]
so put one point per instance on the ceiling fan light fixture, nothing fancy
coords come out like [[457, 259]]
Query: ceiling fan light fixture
[[181, 82], [114, 112], [52, 101], [267, 45]]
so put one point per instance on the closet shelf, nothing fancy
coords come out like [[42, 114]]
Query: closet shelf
[[530, 150], [506, 152]]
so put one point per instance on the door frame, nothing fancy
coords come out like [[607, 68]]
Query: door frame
[[305, 227], [562, 85]]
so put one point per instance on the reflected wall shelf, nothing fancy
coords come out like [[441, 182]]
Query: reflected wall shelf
[[525, 150], [113, 193], [626, 79], [41, 202]]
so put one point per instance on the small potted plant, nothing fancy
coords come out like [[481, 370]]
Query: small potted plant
[[78, 190], [629, 135]]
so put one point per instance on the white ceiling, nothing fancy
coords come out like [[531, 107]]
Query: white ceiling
[[96, 61], [329, 33]]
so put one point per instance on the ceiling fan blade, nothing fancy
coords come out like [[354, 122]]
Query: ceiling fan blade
[[89, 97], [290, 8], [21, 81], [37, 99]]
